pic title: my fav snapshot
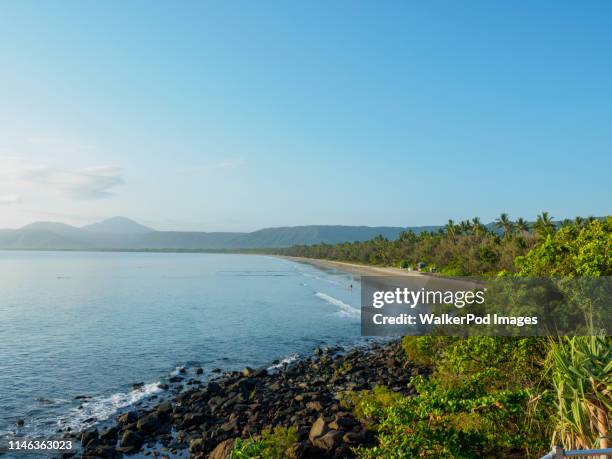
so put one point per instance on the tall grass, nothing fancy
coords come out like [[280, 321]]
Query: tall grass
[[581, 372]]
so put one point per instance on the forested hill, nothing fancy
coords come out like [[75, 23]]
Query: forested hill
[[122, 233]]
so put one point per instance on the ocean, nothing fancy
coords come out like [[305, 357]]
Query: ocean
[[78, 329]]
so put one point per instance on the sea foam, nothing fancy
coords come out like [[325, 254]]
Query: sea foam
[[345, 309], [101, 408]]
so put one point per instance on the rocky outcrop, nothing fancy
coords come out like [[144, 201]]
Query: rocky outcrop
[[205, 418]]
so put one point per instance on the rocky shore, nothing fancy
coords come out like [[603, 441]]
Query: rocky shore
[[202, 420]]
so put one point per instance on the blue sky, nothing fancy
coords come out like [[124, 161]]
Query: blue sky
[[241, 115]]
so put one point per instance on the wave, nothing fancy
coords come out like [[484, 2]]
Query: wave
[[346, 310], [97, 409], [286, 361]]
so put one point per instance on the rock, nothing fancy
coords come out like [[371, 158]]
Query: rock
[[303, 450], [247, 371], [213, 388], [175, 379], [261, 373], [192, 419], [197, 445], [353, 438], [222, 450], [89, 437], [343, 423], [230, 426], [102, 452], [318, 351], [318, 429], [199, 371], [331, 440], [163, 386], [109, 435], [138, 385], [165, 407], [19, 422], [131, 439], [128, 418], [316, 406], [148, 424], [304, 395]]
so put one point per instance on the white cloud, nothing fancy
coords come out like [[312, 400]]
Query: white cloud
[[19, 175], [88, 183], [9, 199]]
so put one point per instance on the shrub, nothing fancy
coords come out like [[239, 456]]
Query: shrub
[[271, 444], [581, 370]]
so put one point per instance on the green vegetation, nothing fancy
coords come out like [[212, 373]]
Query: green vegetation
[[492, 396], [469, 407], [504, 396], [581, 370], [471, 248], [467, 248], [271, 444]]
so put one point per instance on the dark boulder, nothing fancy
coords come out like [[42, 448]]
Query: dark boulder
[[148, 424], [330, 441], [88, 437], [353, 438], [109, 435], [131, 440], [197, 445], [213, 388], [192, 419], [128, 418]]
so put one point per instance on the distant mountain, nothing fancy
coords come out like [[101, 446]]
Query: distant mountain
[[123, 233], [118, 225]]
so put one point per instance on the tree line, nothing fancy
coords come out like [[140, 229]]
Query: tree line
[[465, 248]]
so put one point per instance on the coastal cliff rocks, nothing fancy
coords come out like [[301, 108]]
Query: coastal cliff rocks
[[223, 450], [204, 419]]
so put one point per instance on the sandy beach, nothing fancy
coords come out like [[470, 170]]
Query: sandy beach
[[354, 268]]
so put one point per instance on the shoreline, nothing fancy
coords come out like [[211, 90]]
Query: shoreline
[[190, 419], [202, 419], [353, 268]]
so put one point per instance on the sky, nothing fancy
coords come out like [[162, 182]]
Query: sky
[[234, 116]]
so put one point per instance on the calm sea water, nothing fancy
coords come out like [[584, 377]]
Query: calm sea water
[[74, 324]]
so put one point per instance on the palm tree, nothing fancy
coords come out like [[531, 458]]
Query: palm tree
[[479, 228], [544, 224], [504, 223], [522, 225], [465, 227], [450, 229]]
